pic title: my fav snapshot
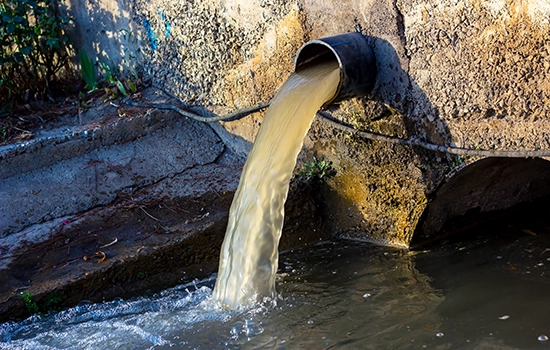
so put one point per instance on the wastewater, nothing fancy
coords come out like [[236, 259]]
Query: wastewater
[[487, 293], [249, 254]]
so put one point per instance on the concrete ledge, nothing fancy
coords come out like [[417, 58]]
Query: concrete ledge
[[77, 140], [66, 171], [145, 246], [151, 241]]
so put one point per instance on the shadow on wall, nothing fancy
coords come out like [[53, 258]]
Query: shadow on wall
[[397, 88], [385, 204], [107, 33]]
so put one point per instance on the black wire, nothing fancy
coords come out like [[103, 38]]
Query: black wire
[[329, 119]]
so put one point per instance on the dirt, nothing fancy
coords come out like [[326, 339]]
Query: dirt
[[27, 119], [32, 116]]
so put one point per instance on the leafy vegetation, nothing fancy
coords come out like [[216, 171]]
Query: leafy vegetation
[[116, 79], [456, 163], [317, 170], [34, 48], [36, 68], [37, 73], [50, 302], [113, 85], [29, 301], [88, 71]]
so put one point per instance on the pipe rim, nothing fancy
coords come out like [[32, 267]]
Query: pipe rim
[[300, 61]]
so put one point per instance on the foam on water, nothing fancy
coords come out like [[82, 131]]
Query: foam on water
[[119, 324]]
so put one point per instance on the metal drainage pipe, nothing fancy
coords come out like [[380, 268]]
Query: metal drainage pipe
[[355, 58]]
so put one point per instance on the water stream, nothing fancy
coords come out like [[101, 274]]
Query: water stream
[[249, 254]]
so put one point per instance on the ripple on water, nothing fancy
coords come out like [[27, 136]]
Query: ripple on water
[[378, 299]]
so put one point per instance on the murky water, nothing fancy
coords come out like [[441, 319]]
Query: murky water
[[484, 294]]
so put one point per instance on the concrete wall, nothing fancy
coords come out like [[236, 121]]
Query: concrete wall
[[473, 74], [108, 31]]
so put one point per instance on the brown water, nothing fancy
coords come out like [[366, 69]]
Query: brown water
[[249, 255]]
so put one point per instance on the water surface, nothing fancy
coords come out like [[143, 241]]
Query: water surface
[[489, 293]]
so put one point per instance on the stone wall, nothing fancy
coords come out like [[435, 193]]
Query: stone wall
[[473, 74]]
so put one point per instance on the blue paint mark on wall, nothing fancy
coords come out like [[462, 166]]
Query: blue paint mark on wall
[[153, 41], [166, 24]]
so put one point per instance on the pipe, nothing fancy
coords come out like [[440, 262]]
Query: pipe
[[355, 58]]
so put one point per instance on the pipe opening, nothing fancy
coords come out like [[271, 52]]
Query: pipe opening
[[355, 58]]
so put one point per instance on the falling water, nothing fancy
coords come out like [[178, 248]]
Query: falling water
[[249, 254]]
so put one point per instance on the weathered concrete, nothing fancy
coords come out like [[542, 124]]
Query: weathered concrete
[[160, 188], [89, 166], [166, 234], [473, 73]]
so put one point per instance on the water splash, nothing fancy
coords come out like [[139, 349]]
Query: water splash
[[116, 324]]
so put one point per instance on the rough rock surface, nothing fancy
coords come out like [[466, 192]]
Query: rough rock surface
[[472, 74]]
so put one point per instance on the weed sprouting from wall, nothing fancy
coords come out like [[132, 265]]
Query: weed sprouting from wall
[[317, 170]]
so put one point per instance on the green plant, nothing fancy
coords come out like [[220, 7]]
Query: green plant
[[33, 46], [108, 73], [50, 302], [459, 161], [29, 301], [4, 132], [317, 170], [116, 78], [87, 70], [113, 79]]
